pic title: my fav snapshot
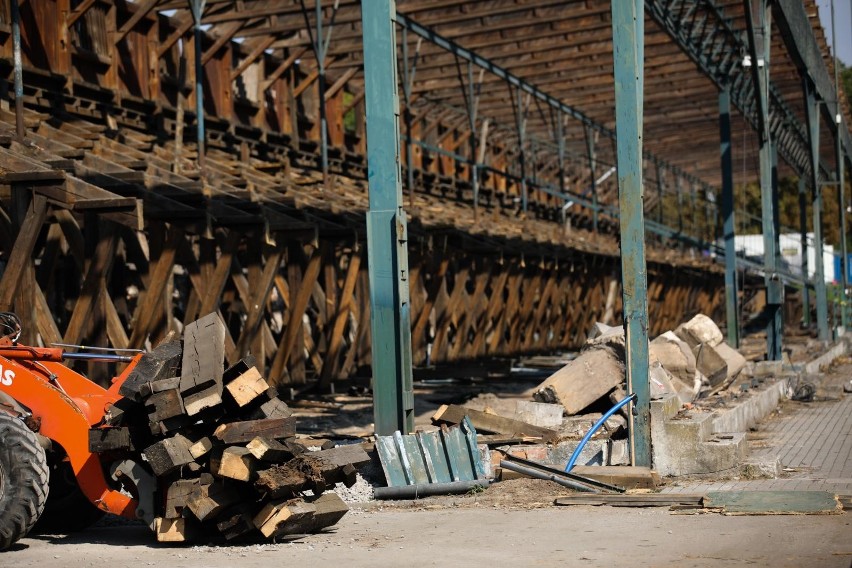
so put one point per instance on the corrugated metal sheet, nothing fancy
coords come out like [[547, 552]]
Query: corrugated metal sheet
[[449, 454]]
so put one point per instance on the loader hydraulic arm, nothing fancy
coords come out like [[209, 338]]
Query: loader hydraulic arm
[[67, 406]]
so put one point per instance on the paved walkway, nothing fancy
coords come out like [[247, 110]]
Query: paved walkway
[[813, 442]]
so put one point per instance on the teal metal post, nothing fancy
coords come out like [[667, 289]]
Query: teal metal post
[[197, 8], [803, 228], [841, 195], [628, 29], [812, 114], [592, 157], [387, 234], [19, 76], [759, 43], [728, 219]]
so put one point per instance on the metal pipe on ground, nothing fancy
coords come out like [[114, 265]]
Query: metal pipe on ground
[[429, 489], [547, 476]]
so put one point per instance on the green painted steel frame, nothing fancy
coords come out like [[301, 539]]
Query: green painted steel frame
[[731, 304], [628, 31], [387, 236], [812, 116], [759, 45]]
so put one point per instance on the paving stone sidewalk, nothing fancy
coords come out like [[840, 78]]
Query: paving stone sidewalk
[[814, 440]]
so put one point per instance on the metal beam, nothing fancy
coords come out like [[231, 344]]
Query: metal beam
[[795, 28], [803, 229], [390, 309], [759, 45], [628, 25], [197, 8], [841, 194], [812, 115], [731, 295], [522, 85], [716, 48]]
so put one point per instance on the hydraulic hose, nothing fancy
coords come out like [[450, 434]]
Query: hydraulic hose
[[594, 429]]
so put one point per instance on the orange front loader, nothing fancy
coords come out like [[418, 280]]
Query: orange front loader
[[46, 412]]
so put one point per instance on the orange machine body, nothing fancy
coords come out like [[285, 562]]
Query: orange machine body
[[67, 405]]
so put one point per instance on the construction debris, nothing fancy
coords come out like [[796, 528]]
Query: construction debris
[[221, 445], [443, 456]]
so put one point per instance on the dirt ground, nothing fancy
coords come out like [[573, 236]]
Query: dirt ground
[[482, 533]]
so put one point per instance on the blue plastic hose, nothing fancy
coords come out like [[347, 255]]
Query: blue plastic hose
[[594, 429]]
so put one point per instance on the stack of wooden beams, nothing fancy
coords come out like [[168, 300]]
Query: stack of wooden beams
[[221, 445]]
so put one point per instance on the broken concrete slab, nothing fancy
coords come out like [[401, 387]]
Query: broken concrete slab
[[733, 359], [698, 330], [711, 364], [536, 413], [675, 355], [540, 413], [590, 376]]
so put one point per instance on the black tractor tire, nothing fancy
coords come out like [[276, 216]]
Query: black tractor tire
[[68, 509], [23, 480]]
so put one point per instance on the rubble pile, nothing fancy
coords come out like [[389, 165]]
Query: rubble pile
[[219, 447], [691, 361]]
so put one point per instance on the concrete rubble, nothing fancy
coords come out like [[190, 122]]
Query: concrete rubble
[[686, 364]]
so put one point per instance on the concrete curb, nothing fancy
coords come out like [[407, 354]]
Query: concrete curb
[[746, 414], [839, 349], [749, 412]]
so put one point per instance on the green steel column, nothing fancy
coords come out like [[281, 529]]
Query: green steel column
[[387, 236], [803, 227], [592, 157], [197, 9], [759, 43], [628, 29], [841, 195], [728, 216], [812, 115]]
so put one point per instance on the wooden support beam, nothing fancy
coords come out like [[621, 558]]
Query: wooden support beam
[[78, 13], [257, 305], [98, 271], [340, 83], [225, 35], [297, 310], [182, 30], [22, 250], [252, 57], [282, 68], [142, 10], [146, 312], [330, 365]]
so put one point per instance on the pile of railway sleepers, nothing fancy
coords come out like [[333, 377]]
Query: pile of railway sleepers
[[221, 446]]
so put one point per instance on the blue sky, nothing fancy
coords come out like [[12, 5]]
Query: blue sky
[[842, 23]]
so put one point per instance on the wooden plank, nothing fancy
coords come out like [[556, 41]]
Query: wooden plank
[[453, 414], [161, 363], [247, 430], [109, 439], [629, 477], [247, 387], [207, 501], [168, 455], [236, 463], [203, 363]]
